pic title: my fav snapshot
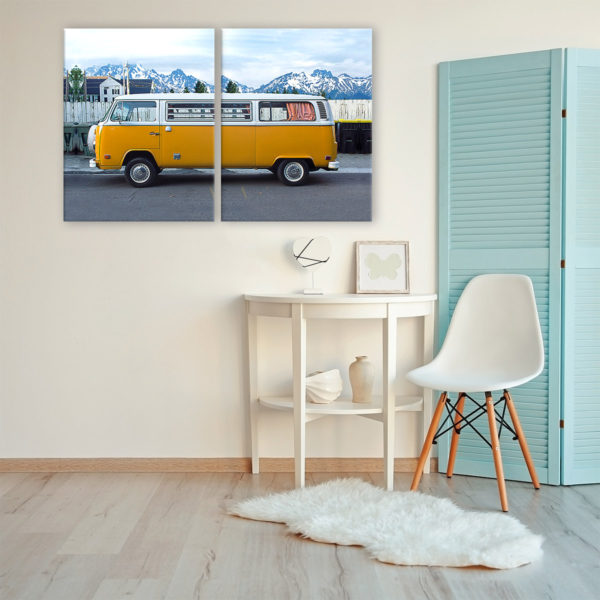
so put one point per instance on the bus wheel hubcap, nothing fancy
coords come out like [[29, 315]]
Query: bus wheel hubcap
[[294, 172], [140, 173]]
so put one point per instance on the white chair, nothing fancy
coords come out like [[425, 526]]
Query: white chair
[[494, 342]]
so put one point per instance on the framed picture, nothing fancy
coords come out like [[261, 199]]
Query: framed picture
[[382, 268]]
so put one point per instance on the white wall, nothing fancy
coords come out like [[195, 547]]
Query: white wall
[[125, 339]]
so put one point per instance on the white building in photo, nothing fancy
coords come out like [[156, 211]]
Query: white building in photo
[[110, 88]]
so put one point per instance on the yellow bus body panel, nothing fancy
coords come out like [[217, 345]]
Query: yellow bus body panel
[[295, 141], [243, 146], [118, 140], [238, 146], [193, 143]]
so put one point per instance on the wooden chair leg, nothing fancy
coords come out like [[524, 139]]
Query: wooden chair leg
[[455, 436], [489, 401], [522, 441], [429, 440]]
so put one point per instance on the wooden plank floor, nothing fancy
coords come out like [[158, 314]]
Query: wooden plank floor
[[111, 536]]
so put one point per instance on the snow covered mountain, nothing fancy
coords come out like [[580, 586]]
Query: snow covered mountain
[[163, 82], [341, 86]]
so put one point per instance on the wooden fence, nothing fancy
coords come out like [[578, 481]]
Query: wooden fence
[[352, 110], [84, 112], [91, 112]]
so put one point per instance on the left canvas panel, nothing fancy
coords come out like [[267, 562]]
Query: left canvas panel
[[138, 125]]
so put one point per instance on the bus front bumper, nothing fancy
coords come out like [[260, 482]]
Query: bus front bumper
[[333, 166]]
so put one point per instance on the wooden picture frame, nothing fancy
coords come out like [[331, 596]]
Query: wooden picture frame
[[382, 268]]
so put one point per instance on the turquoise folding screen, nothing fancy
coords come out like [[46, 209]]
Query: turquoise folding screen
[[581, 286], [504, 206]]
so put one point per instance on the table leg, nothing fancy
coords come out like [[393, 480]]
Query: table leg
[[428, 334], [299, 374], [389, 397], [251, 321]]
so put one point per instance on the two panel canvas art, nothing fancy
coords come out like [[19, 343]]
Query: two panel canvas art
[[142, 125]]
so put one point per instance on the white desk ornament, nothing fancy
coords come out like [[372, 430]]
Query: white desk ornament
[[310, 254]]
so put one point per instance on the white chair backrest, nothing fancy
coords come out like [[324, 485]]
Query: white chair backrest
[[495, 326]]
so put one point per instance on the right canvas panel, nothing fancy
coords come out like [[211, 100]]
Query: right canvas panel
[[296, 130]]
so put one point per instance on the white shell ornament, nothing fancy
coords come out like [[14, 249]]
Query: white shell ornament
[[323, 387]]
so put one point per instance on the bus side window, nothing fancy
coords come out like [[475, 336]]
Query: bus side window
[[190, 111], [273, 111], [236, 111]]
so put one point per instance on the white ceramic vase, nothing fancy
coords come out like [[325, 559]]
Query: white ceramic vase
[[361, 373]]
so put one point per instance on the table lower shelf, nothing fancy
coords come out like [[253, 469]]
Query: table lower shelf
[[344, 406]]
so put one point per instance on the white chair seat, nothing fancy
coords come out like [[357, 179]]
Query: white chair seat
[[465, 379]]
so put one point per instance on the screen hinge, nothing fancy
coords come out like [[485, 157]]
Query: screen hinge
[[564, 113], [562, 423]]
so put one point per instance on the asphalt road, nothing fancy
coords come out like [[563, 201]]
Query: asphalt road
[[189, 196], [325, 197]]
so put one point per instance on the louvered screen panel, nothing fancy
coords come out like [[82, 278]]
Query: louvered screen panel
[[581, 384], [586, 378], [500, 213]]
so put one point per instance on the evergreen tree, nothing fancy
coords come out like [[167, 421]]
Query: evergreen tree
[[322, 93], [76, 83], [232, 87], [171, 91], [200, 87], [295, 91], [185, 90]]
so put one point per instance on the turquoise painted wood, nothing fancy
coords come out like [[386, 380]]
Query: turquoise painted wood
[[581, 290], [499, 190]]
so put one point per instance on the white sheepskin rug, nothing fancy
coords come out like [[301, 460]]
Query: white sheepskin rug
[[403, 528]]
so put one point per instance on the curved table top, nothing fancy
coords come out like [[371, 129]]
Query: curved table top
[[340, 298]]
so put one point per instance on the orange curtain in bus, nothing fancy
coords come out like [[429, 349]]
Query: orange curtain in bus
[[300, 111]]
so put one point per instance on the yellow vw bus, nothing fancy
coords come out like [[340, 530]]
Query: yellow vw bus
[[289, 134]]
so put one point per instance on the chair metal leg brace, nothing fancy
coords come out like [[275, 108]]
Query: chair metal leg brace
[[467, 420]]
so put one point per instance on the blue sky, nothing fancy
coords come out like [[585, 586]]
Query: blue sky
[[256, 56], [161, 49]]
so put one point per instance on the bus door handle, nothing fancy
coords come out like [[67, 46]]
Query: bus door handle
[[154, 133]]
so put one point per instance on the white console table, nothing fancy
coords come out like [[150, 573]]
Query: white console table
[[299, 308]]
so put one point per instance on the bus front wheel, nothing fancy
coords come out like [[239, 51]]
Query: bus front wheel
[[140, 172], [293, 172]]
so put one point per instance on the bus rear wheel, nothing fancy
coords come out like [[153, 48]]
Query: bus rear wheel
[[293, 171], [140, 172]]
